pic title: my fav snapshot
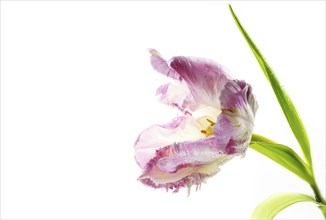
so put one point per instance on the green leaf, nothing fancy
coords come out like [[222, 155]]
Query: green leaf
[[259, 138], [284, 156], [270, 207], [284, 100]]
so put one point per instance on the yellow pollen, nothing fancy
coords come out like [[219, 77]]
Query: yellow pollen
[[203, 131], [209, 129]]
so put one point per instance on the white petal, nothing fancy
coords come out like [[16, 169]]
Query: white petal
[[180, 130]]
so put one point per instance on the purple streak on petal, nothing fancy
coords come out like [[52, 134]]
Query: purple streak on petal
[[237, 94], [146, 145], [174, 123], [182, 109], [162, 90], [223, 130], [161, 66], [193, 179], [172, 157], [234, 125], [194, 153], [158, 136], [184, 165], [205, 78]]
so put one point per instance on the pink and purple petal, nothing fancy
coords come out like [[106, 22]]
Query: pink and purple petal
[[234, 125], [162, 66], [205, 78], [192, 153], [238, 94], [182, 164], [179, 129], [177, 95]]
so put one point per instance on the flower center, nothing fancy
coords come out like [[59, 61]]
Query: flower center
[[209, 129]]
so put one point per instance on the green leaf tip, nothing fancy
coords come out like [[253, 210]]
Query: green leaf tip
[[287, 106]]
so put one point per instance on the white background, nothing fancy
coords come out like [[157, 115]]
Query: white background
[[77, 88]]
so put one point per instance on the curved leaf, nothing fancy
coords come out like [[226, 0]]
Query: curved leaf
[[284, 100], [284, 156], [259, 138], [270, 207]]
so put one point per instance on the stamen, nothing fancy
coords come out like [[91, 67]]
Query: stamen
[[208, 131], [210, 121], [203, 131]]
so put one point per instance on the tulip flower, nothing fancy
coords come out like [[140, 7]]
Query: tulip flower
[[216, 124]]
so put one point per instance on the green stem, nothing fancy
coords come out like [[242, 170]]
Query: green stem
[[323, 210], [318, 196]]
